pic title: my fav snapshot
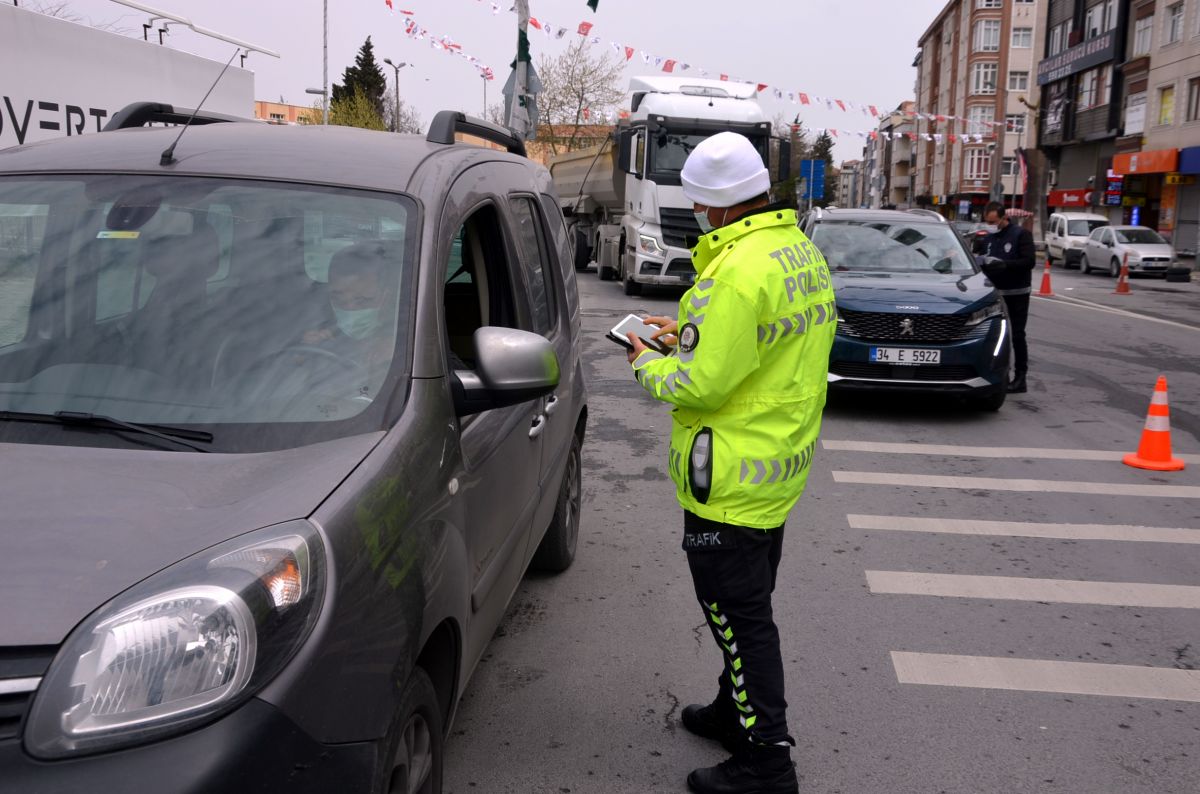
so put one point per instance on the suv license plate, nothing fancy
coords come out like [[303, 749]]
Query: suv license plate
[[905, 355]]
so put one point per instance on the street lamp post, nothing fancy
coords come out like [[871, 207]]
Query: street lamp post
[[321, 92], [325, 66], [396, 111]]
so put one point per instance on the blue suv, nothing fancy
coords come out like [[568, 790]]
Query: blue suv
[[915, 312]]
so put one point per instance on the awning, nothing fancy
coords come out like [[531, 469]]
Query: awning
[[1161, 161], [1189, 160], [1070, 198]]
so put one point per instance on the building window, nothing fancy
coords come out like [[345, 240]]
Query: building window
[[1022, 38], [1018, 81], [1110, 15], [1010, 167], [1174, 23], [1143, 35], [1093, 23], [983, 78], [1015, 122], [1193, 108], [278, 117], [1166, 106], [987, 35], [978, 118], [1093, 88], [989, 3], [979, 164]]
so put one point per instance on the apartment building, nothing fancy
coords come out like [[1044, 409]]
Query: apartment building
[[850, 184], [974, 89], [1157, 159]]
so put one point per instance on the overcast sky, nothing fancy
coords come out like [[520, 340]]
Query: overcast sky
[[859, 51]]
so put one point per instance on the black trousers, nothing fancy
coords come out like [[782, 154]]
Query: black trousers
[[1018, 314], [733, 570]]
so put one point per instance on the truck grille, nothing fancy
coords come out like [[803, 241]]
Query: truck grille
[[679, 228], [892, 327], [847, 369], [19, 663]]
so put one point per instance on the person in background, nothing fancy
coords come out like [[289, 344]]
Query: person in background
[[1012, 274]]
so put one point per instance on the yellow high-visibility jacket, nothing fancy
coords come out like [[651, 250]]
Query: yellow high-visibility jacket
[[749, 377]]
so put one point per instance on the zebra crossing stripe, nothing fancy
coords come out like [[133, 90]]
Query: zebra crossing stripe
[[1036, 675], [1018, 529], [1016, 588]]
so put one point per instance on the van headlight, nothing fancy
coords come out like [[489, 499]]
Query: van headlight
[[650, 246], [191, 642], [986, 313]]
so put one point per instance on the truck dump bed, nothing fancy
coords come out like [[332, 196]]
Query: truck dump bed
[[592, 172]]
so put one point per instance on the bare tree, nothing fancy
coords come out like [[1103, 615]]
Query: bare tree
[[495, 113], [62, 10], [408, 120], [580, 88]]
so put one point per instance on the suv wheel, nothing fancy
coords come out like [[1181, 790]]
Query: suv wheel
[[416, 744], [994, 401], [557, 550]]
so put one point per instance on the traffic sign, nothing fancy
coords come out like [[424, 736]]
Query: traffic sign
[[813, 173]]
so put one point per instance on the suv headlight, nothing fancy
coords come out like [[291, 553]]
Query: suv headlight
[[191, 642], [650, 245], [986, 313]]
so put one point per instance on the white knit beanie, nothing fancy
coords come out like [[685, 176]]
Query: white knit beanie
[[724, 171]]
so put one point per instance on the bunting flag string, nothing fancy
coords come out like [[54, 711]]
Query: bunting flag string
[[673, 65], [415, 31]]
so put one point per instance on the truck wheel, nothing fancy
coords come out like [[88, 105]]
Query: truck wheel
[[415, 747], [632, 287], [606, 273], [557, 549], [583, 254]]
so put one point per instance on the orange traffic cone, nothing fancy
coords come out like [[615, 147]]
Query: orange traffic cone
[[1045, 291], [1154, 453], [1123, 281]]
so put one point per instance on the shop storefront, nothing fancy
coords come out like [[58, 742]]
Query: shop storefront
[[1148, 197], [1187, 232]]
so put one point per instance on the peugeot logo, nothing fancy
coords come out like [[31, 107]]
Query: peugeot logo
[[906, 327]]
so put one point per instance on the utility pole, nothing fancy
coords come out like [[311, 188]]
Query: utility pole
[[325, 67]]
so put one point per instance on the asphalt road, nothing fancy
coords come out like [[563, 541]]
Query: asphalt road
[[969, 602]]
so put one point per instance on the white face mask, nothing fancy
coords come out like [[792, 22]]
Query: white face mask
[[706, 225]]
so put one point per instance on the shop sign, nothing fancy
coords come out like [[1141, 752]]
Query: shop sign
[[1181, 179], [1113, 188], [1161, 161], [1189, 160], [964, 207], [1070, 198], [1135, 114], [1133, 201], [1079, 58]]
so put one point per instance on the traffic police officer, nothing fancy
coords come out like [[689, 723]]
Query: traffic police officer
[[747, 383], [1013, 277]]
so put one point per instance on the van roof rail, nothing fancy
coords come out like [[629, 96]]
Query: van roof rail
[[139, 114], [448, 122]]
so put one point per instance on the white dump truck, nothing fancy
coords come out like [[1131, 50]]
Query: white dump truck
[[624, 199]]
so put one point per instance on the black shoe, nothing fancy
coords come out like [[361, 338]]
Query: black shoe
[[754, 770], [711, 722], [1017, 385]]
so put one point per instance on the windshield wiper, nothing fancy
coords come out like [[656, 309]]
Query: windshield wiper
[[175, 435]]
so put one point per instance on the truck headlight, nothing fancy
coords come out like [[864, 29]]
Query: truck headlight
[[189, 643], [650, 246], [986, 313]]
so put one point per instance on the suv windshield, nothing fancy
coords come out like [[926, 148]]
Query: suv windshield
[[267, 314], [899, 247], [1084, 228], [1139, 236]]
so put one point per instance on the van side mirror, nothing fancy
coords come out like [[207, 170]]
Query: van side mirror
[[511, 367]]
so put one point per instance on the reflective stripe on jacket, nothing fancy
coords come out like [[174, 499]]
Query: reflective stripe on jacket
[[750, 374]]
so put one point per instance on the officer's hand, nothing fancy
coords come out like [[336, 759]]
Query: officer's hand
[[668, 332], [638, 347]]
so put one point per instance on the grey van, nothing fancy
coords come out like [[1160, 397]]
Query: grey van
[[285, 415]]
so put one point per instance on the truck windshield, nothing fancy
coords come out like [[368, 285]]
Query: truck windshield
[[860, 247], [234, 307], [670, 150]]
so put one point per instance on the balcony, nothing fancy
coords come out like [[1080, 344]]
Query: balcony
[[901, 182]]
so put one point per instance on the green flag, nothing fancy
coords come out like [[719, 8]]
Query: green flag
[[593, 3]]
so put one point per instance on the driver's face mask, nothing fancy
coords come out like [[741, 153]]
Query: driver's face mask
[[356, 323]]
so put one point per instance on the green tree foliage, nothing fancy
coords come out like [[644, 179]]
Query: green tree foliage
[[364, 75], [356, 111], [822, 149]]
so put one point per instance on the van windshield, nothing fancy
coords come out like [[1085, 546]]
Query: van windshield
[[1081, 228], [880, 247], [235, 307]]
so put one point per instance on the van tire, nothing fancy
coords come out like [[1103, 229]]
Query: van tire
[[557, 549], [416, 743]]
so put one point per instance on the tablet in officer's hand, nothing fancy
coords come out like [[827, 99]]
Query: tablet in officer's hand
[[637, 326]]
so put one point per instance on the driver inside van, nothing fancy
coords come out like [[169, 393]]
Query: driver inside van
[[360, 331]]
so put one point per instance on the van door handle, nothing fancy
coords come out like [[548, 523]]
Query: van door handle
[[552, 405], [539, 426]]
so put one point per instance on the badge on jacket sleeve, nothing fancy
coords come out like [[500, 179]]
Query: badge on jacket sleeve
[[1008, 248], [689, 337]]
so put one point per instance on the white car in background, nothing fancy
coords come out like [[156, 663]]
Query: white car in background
[[1107, 247], [1067, 234]]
